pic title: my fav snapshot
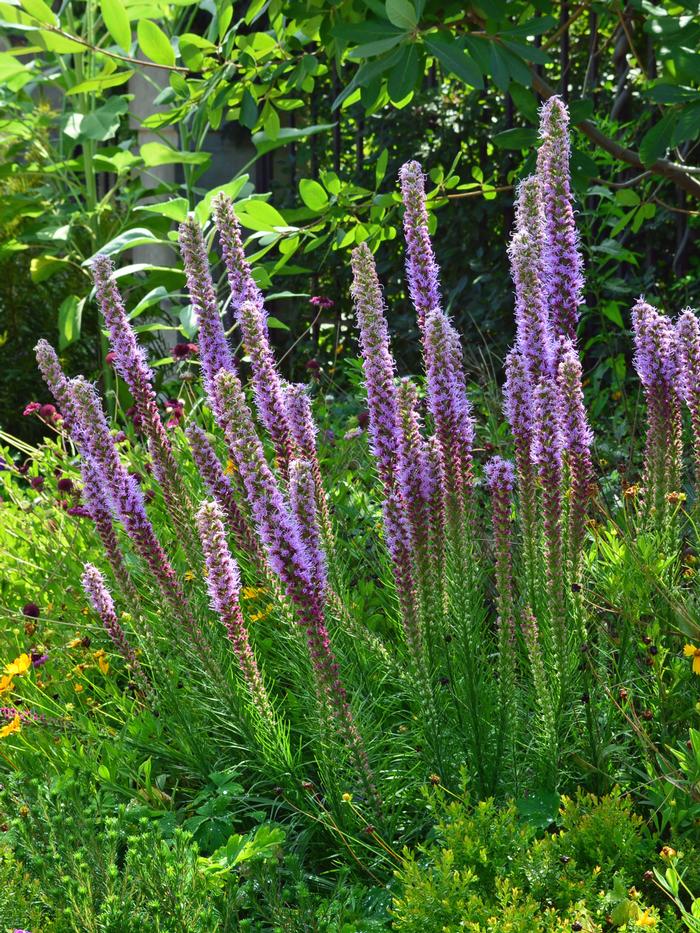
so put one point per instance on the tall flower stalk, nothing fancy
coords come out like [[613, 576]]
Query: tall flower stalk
[[224, 585], [688, 330], [302, 428], [421, 268], [562, 265], [130, 363]]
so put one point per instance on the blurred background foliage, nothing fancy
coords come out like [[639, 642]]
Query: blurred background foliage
[[121, 116]]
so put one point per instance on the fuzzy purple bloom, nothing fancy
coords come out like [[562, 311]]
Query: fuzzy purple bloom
[[215, 352], [100, 598], [533, 337], [378, 363], [302, 498], [421, 268], [240, 279], [130, 362], [224, 585], [688, 330], [563, 263]]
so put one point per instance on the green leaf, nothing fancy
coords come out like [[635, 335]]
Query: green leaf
[[42, 268], [378, 47], [627, 197], [249, 110], [176, 209], [498, 66], [611, 310], [159, 154], [404, 75], [271, 123], [380, 167], [154, 43], [102, 123], [117, 22], [258, 215], [313, 195], [451, 55], [519, 138], [40, 11], [70, 315], [100, 83], [286, 135], [232, 189], [539, 809], [656, 141], [275, 323], [402, 14], [155, 296], [137, 236]]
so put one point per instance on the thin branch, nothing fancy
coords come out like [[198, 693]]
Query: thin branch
[[564, 26], [122, 58]]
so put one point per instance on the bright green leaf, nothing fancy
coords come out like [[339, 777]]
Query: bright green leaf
[[454, 59], [154, 154], [70, 315], [154, 43], [402, 14], [313, 195], [117, 22]]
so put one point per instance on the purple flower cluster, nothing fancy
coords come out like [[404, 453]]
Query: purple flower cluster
[[240, 278], [421, 268], [688, 330]]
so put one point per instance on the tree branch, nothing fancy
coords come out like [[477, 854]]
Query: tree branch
[[669, 170]]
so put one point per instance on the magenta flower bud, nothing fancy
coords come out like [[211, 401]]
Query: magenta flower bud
[[525, 250], [377, 362], [215, 352], [421, 268], [302, 429], [562, 261], [100, 599], [224, 585]]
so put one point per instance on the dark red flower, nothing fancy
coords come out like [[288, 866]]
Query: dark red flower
[[31, 408], [321, 302], [37, 482], [31, 610], [313, 366], [363, 419], [47, 411], [110, 358], [182, 350], [65, 485], [79, 511]]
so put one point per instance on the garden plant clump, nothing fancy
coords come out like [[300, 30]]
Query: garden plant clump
[[280, 682]]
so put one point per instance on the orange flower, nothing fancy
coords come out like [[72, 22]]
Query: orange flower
[[691, 651], [14, 726]]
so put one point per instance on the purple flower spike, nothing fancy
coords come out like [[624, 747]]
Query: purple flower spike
[[548, 452], [578, 439], [267, 383], [688, 330], [563, 264], [130, 363], [215, 352], [378, 363], [222, 489], [224, 585], [421, 268], [450, 408], [100, 598], [302, 497], [526, 261], [657, 362], [240, 279]]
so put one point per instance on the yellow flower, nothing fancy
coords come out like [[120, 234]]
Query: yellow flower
[[78, 688], [691, 651], [14, 726], [189, 575], [103, 664], [260, 616], [347, 798], [667, 852], [6, 683], [646, 920], [230, 468], [251, 592], [74, 642], [20, 665]]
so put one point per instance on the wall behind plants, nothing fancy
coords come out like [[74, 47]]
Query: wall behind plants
[[327, 102]]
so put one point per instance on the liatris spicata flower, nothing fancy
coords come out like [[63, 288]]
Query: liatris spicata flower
[[302, 498], [563, 264], [688, 330], [500, 476], [451, 411], [547, 452], [215, 352], [267, 382], [280, 533], [656, 361], [378, 363], [518, 405], [124, 495], [221, 488], [240, 279], [578, 439], [130, 363], [398, 541], [224, 585], [100, 598], [96, 501], [421, 268], [526, 262], [303, 433]]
